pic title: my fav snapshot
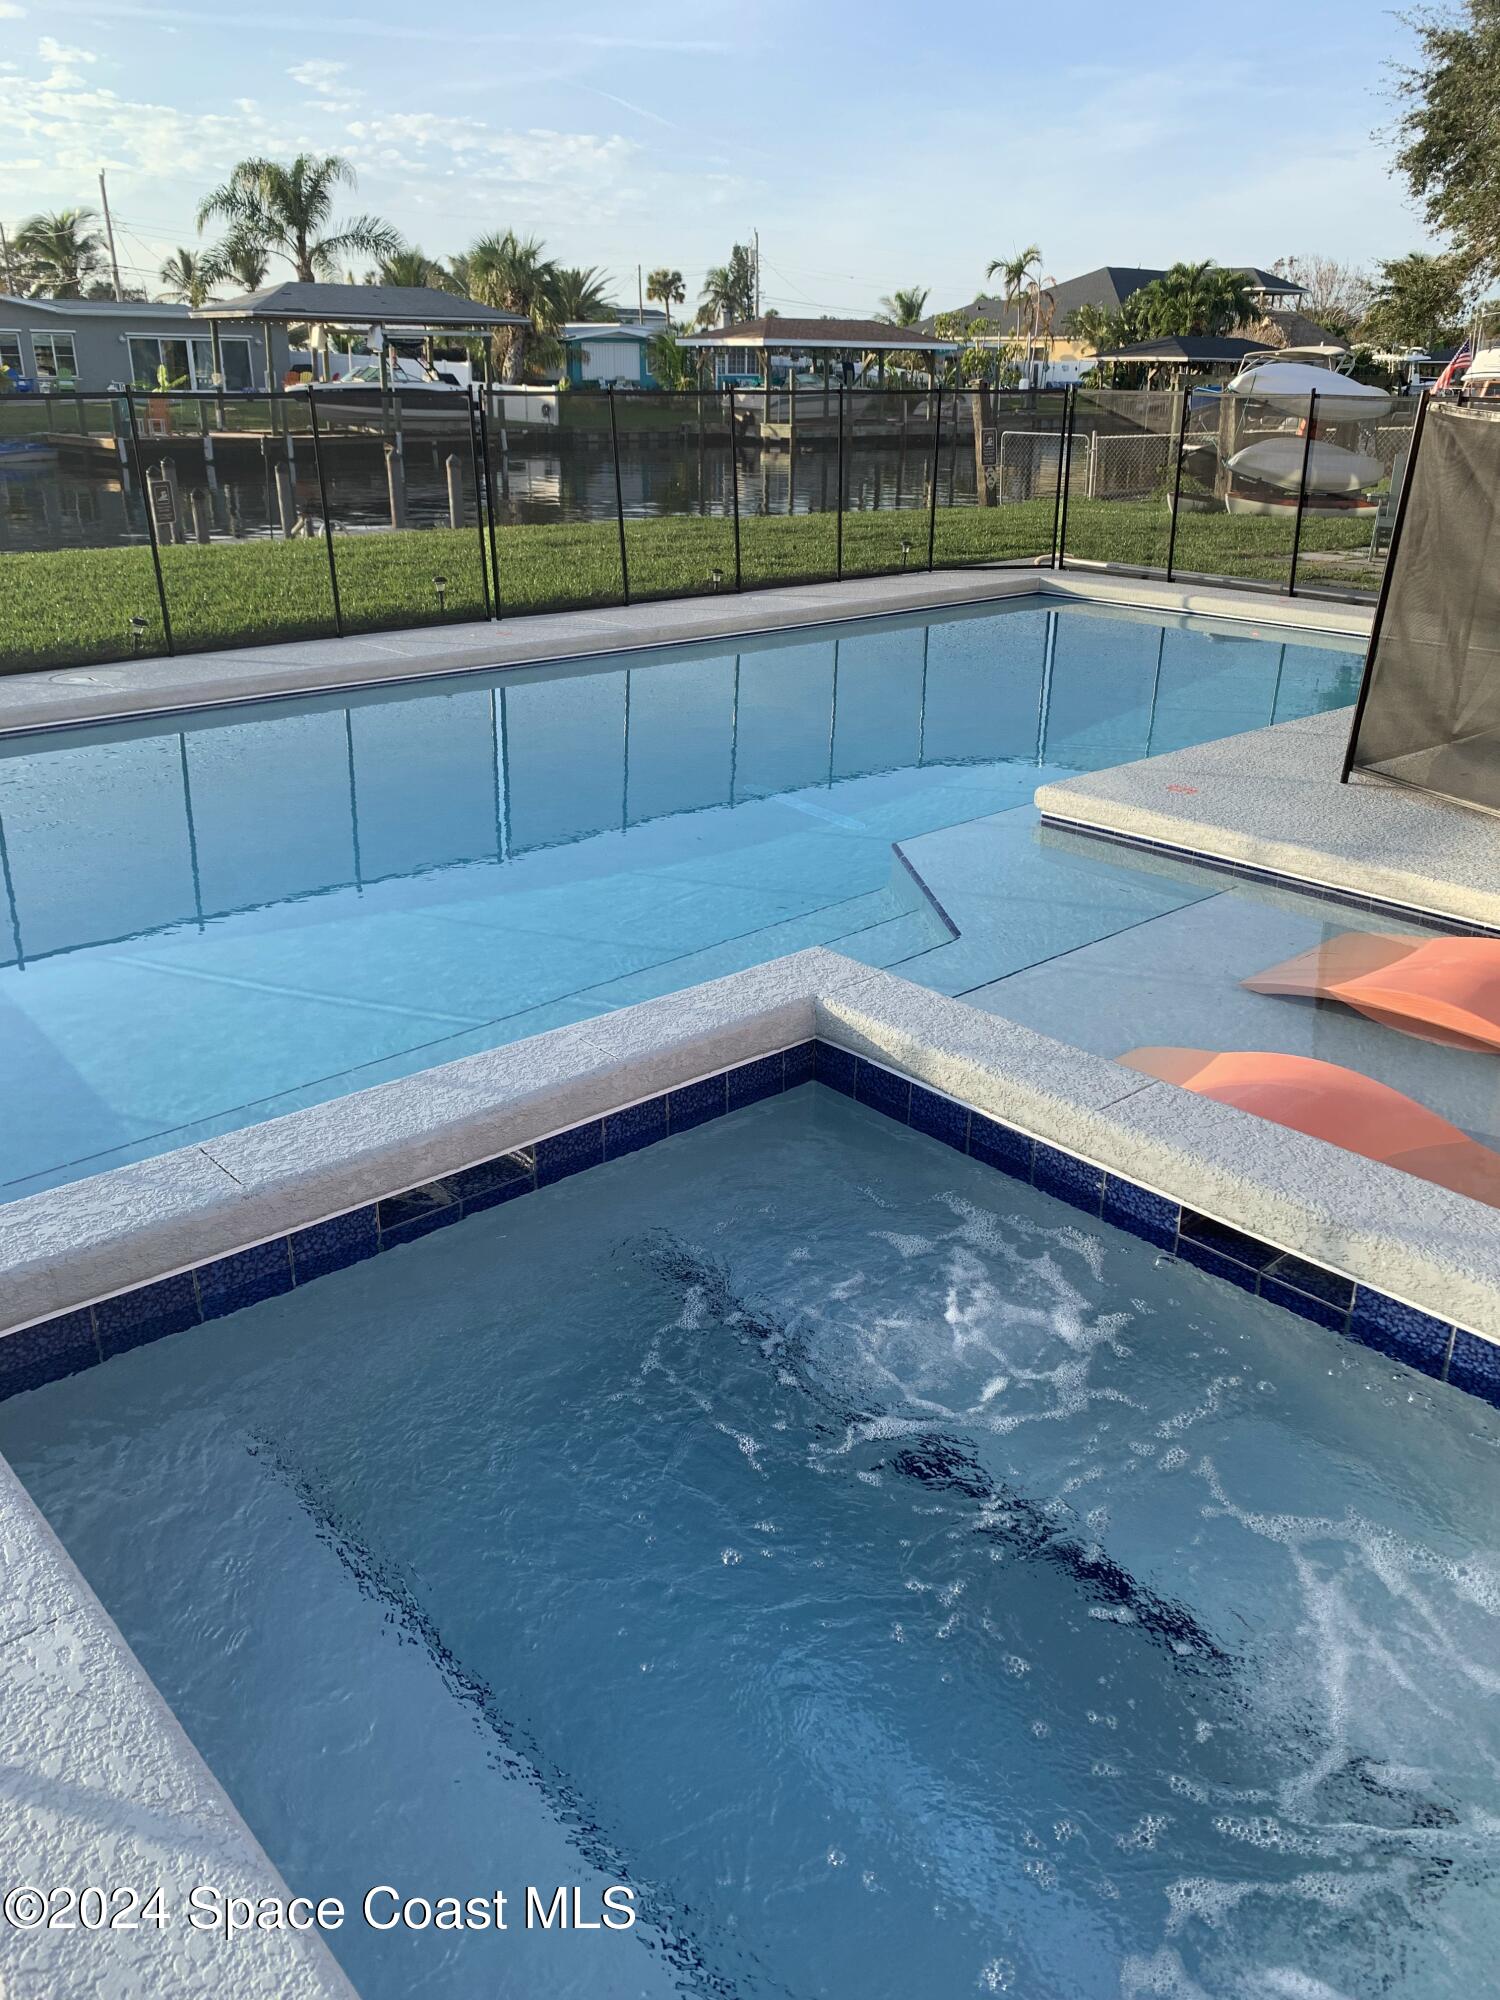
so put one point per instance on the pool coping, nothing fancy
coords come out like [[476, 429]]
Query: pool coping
[[62, 698], [89, 1269], [103, 1789]]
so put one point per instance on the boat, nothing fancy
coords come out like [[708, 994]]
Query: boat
[[1287, 386]]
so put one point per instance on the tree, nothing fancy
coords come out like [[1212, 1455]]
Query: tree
[[410, 266], [1336, 295], [1018, 273], [728, 294], [1448, 129], [59, 252], [239, 261], [513, 273], [1194, 299], [1094, 327], [904, 308], [581, 294], [1420, 301], [671, 366], [666, 288], [189, 276], [288, 210]]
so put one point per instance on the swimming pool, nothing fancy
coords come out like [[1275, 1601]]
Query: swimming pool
[[902, 1583], [221, 916]]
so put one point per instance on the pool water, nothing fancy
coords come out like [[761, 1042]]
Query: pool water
[[216, 917], [905, 1586]]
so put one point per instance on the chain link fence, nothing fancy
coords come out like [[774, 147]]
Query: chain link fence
[[140, 523]]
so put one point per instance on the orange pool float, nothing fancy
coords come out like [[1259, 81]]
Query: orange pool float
[[1327, 1101], [1443, 989]]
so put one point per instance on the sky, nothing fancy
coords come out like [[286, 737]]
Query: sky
[[872, 147]]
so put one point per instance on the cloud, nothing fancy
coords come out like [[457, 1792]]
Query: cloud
[[54, 52], [10, 12], [316, 75]]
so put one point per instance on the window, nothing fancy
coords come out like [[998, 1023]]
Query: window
[[145, 360], [56, 360], [10, 352], [234, 354]]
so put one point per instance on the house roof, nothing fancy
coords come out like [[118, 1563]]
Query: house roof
[[608, 329], [778, 333], [100, 308], [362, 306], [1187, 347]]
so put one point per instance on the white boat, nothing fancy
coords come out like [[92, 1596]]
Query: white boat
[[1287, 385], [1331, 469]]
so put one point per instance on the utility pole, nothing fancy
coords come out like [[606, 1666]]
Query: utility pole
[[109, 231], [640, 298], [10, 276], [755, 238]]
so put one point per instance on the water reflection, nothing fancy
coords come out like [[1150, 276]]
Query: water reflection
[[113, 833]]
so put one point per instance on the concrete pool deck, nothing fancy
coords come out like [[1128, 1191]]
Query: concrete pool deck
[[1271, 800], [58, 697]]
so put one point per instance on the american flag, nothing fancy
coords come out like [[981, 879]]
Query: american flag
[[1456, 366]]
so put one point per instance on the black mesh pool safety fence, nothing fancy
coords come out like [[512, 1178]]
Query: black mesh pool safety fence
[[136, 522], [1429, 708]]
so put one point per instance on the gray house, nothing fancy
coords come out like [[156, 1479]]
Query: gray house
[[101, 344]]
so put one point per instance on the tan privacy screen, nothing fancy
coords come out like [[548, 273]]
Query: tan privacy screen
[[1432, 703]]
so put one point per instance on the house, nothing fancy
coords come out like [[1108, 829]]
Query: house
[[1107, 288], [50, 344], [605, 353]]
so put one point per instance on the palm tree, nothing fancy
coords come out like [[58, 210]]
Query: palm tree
[[1094, 327], [288, 210], [513, 273], [904, 308], [728, 293], [59, 251], [410, 267], [1199, 298], [581, 294], [1018, 275], [190, 276], [239, 260], [666, 288], [1029, 293]]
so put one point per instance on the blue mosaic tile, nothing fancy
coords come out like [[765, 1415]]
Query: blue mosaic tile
[[1217, 1265], [1247, 1250], [1071, 1180], [569, 1152], [1474, 1366], [491, 1183], [333, 1245], [1313, 1279], [696, 1103], [1000, 1146], [636, 1126], [1149, 1216], [1320, 1311], [149, 1312], [244, 1278], [835, 1067], [799, 1065], [417, 1212], [46, 1353], [752, 1081], [1399, 1331], [883, 1091], [939, 1117]]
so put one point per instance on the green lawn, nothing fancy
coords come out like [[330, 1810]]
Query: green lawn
[[75, 606]]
